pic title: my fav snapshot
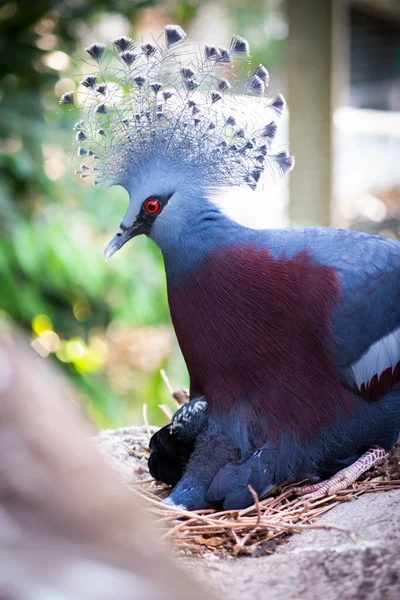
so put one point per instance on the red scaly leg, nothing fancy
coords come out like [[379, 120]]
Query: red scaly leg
[[343, 478]]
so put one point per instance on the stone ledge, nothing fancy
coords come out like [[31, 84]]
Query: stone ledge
[[322, 564], [316, 565]]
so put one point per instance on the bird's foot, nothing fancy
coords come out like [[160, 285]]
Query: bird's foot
[[344, 478]]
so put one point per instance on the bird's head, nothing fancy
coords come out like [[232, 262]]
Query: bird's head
[[170, 125], [163, 195]]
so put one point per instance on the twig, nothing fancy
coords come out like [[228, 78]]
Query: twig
[[256, 502], [300, 527], [253, 524], [166, 410], [145, 419], [142, 481], [177, 512], [243, 531], [181, 525], [167, 381], [242, 543]]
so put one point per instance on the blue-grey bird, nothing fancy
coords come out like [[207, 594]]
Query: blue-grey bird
[[291, 337]]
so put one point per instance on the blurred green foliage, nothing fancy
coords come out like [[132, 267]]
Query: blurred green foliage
[[106, 325], [54, 282]]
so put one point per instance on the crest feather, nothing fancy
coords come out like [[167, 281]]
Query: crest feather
[[166, 98]]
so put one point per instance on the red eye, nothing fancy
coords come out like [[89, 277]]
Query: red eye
[[152, 206]]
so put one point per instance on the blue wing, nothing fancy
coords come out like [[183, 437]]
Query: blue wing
[[366, 322]]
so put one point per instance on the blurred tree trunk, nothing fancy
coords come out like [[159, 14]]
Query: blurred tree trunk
[[309, 68]]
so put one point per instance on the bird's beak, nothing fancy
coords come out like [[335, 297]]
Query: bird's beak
[[123, 235]]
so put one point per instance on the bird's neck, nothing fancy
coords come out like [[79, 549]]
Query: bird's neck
[[204, 230]]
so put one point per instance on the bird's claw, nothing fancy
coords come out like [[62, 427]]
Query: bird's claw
[[343, 479]]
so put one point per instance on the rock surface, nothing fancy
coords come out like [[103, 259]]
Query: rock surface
[[324, 565], [124, 447], [315, 565]]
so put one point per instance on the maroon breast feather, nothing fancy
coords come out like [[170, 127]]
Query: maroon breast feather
[[255, 333]]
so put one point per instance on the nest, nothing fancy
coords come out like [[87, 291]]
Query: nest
[[259, 529]]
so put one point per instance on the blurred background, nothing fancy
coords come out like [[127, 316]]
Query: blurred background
[[106, 325]]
